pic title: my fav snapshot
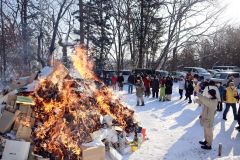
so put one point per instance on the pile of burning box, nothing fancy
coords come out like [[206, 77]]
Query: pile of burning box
[[68, 118]]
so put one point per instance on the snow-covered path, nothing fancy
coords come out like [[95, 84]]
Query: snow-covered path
[[174, 131]]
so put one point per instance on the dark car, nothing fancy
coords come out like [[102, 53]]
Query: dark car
[[144, 71], [161, 73]]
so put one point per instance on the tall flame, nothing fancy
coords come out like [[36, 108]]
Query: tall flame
[[82, 64]]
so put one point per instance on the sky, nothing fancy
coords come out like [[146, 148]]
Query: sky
[[232, 12]]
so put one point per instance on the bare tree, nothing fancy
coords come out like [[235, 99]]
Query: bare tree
[[63, 7], [181, 12]]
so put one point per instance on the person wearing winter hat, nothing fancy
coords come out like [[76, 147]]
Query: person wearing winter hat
[[181, 87], [139, 91], [209, 104], [231, 99]]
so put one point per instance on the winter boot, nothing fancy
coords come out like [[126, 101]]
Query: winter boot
[[206, 147], [142, 104], [238, 128], [137, 103], [203, 143]]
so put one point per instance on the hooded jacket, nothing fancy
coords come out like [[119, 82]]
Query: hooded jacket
[[209, 110], [207, 88]]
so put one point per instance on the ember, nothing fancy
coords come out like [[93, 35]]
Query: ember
[[68, 110]]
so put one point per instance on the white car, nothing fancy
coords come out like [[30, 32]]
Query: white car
[[125, 74], [223, 77], [201, 72]]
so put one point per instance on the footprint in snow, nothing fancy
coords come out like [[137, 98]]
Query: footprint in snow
[[154, 129], [154, 115]]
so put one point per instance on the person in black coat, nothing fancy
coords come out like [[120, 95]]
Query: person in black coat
[[120, 81], [189, 89], [155, 86], [168, 91], [131, 82]]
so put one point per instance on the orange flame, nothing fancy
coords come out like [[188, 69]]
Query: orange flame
[[82, 64]]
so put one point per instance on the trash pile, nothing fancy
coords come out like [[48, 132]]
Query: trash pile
[[65, 115], [16, 120]]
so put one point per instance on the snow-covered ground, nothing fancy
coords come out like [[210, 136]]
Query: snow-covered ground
[[174, 131]]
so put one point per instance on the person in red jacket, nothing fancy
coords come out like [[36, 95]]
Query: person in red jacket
[[147, 82], [114, 81]]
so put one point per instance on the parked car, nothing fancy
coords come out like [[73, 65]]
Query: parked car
[[224, 77], [177, 75], [161, 73], [201, 72], [109, 73], [212, 71], [227, 68], [144, 71]]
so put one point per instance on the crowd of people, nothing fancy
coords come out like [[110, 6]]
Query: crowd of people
[[209, 95]]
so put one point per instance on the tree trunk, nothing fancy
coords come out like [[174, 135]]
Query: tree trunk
[[102, 35], [88, 28], [39, 49], [25, 35], [81, 23], [141, 54], [174, 59], [3, 44]]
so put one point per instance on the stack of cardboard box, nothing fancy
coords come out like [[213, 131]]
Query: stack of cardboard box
[[16, 125]]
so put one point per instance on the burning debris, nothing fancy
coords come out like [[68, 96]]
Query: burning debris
[[66, 117], [68, 110]]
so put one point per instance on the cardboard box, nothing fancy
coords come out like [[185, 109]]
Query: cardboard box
[[24, 132], [7, 120], [25, 109], [11, 99], [16, 150], [93, 152], [23, 120], [10, 108]]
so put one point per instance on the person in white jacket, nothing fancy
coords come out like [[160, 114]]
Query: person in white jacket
[[181, 87], [210, 86]]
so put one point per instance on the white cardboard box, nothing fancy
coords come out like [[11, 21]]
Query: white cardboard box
[[16, 150]]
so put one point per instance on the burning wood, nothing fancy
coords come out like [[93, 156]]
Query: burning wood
[[68, 110]]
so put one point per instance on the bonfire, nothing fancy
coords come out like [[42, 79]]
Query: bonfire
[[69, 109]]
